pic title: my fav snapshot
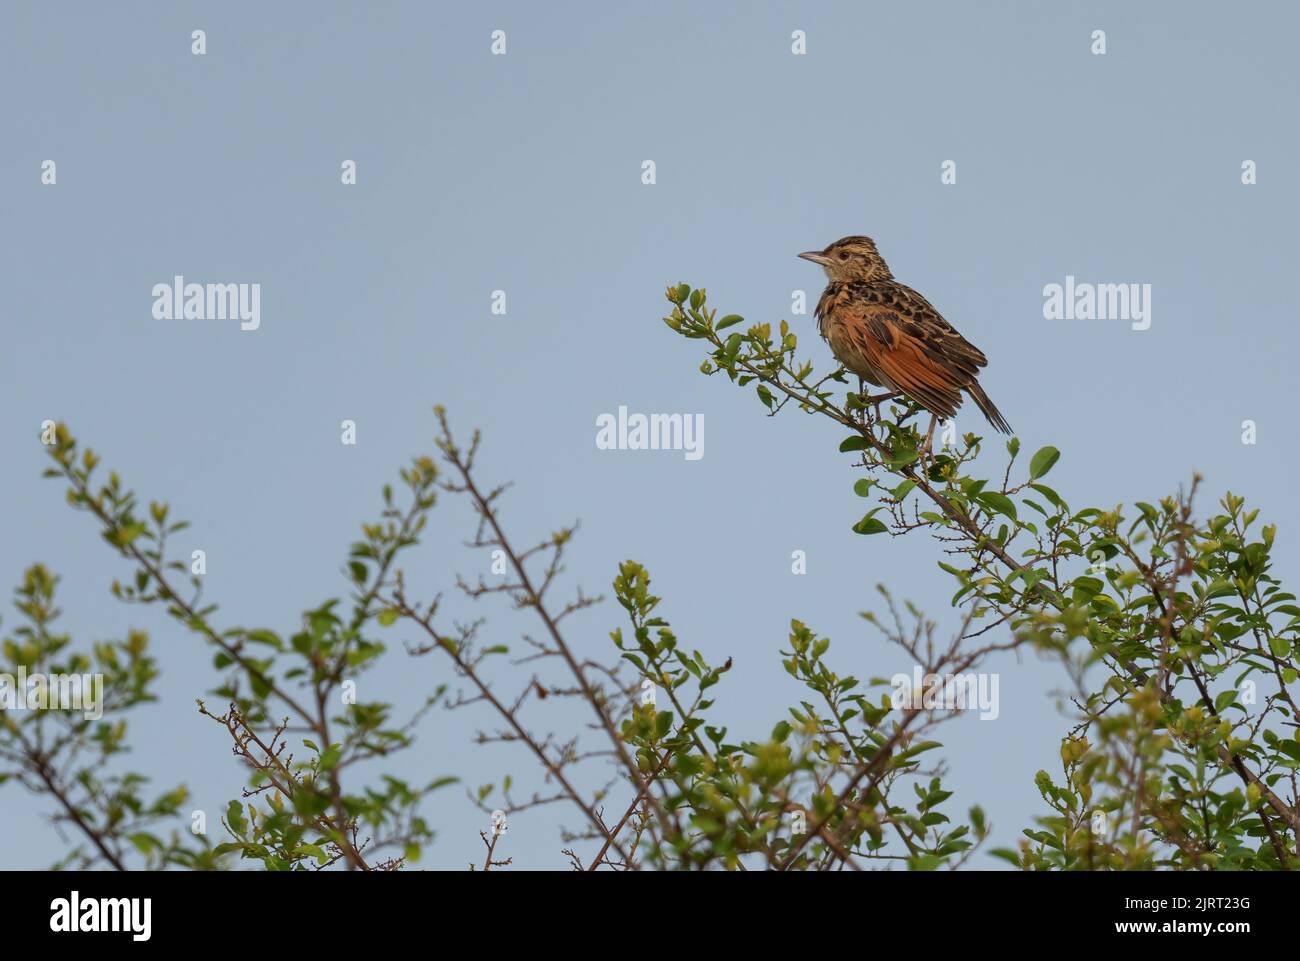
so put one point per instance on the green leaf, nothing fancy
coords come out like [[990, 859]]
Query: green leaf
[[1042, 462], [1086, 587], [998, 503], [903, 455], [1050, 494], [235, 816], [265, 637], [729, 321], [732, 347], [869, 525], [1006, 854], [144, 843], [853, 442]]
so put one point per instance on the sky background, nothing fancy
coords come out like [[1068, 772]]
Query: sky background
[[523, 173]]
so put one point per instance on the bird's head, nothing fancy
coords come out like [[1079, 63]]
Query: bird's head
[[851, 258]]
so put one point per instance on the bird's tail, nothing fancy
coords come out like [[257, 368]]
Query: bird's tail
[[989, 409]]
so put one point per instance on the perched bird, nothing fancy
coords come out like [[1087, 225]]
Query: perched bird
[[890, 336]]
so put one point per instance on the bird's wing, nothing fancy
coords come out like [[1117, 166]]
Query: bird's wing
[[914, 316], [909, 354], [918, 317]]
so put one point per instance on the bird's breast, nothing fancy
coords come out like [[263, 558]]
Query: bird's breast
[[853, 347]]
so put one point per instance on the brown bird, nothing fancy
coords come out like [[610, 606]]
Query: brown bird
[[889, 335]]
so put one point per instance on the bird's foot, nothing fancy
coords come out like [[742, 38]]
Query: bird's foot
[[875, 400]]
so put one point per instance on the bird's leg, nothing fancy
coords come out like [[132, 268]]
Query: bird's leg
[[878, 399], [925, 448]]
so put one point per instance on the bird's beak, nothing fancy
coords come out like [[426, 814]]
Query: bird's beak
[[817, 257]]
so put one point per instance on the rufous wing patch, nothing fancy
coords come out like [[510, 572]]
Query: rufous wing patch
[[919, 375]]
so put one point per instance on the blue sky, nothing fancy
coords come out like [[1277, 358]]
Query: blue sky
[[522, 173]]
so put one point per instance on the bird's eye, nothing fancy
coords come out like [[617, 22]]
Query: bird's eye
[[844, 255]]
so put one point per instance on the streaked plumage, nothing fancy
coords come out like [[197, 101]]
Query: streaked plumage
[[889, 335]]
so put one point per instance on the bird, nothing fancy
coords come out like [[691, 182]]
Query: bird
[[890, 336]]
